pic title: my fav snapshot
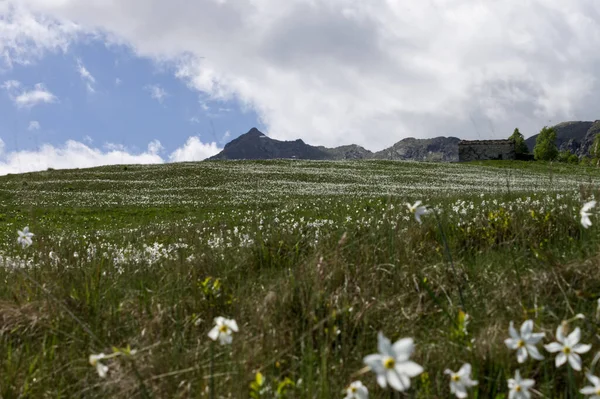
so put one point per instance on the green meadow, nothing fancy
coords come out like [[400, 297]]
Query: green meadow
[[312, 259]]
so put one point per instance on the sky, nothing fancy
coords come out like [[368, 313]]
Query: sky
[[94, 82]]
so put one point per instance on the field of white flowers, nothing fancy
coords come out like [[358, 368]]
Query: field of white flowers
[[283, 278]]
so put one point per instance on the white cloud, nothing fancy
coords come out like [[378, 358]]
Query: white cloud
[[118, 82], [194, 150], [34, 125], [86, 76], [370, 72], [25, 37], [157, 92], [74, 154], [226, 136], [154, 147], [28, 98]]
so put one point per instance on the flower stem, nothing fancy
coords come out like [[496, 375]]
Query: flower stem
[[212, 371]]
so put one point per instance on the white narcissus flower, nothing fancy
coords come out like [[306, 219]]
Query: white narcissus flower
[[593, 391], [223, 330], [392, 364], [417, 209], [519, 388], [25, 237], [461, 381], [524, 342], [101, 368], [585, 213], [357, 390], [569, 348]]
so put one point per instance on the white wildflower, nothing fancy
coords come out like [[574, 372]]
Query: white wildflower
[[417, 209], [519, 388], [461, 380], [357, 390], [223, 330], [569, 348], [585, 213], [392, 364], [593, 391], [25, 237], [524, 342], [101, 368]]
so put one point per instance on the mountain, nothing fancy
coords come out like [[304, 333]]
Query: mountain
[[256, 145], [575, 136]]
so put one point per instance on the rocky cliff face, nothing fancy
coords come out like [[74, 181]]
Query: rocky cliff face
[[569, 136], [255, 145], [436, 149]]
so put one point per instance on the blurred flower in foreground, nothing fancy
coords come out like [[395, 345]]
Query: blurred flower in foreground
[[357, 390], [585, 213], [461, 381], [392, 364], [25, 237], [524, 342], [101, 368], [569, 348], [417, 209], [223, 330], [519, 388]]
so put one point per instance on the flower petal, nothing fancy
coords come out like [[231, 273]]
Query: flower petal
[[513, 332], [533, 351], [521, 355], [409, 368], [588, 390], [398, 381], [232, 324], [374, 362], [575, 361], [527, 383], [594, 380], [535, 338], [561, 359], [214, 333], [465, 370], [403, 348], [553, 347], [384, 345], [526, 329], [560, 337], [582, 348], [574, 338]]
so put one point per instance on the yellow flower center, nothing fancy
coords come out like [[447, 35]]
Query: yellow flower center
[[517, 388], [389, 363], [353, 389], [455, 377], [520, 343], [566, 350], [224, 329], [598, 391]]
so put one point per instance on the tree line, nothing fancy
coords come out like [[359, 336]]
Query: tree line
[[546, 149]]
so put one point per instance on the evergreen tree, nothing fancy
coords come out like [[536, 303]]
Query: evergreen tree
[[520, 145], [545, 146]]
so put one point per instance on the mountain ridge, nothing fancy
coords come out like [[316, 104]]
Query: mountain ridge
[[576, 136]]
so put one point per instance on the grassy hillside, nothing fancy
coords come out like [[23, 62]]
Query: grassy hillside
[[311, 258]]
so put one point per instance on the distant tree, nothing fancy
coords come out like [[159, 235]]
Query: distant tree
[[595, 151], [545, 145], [520, 145], [567, 156]]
